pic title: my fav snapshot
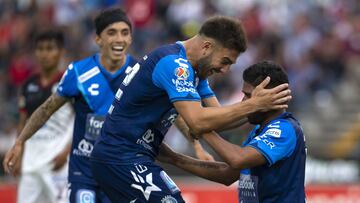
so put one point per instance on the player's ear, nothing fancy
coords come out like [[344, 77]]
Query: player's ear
[[98, 40], [206, 46]]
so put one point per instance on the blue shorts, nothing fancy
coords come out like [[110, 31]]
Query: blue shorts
[[86, 193], [145, 182]]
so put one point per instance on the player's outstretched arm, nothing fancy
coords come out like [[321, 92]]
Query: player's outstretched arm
[[237, 157], [203, 120], [215, 171], [35, 122], [213, 102]]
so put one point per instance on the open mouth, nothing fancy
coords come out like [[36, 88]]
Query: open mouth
[[118, 50]]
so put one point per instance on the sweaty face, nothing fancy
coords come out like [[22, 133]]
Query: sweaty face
[[218, 61], [48, 54], [257, 117], [114, 41]]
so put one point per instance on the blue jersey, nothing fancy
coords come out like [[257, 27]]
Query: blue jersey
[[92, 89], [282, 143], [142, 111]]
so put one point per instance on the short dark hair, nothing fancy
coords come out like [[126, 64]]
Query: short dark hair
[[225, 30], [256, 73], [49, 35], [109, 16]]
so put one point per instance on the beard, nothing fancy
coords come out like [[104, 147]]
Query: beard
[[204, 65]]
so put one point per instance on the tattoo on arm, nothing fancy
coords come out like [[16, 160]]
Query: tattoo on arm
[[41, 115], [203, 164]]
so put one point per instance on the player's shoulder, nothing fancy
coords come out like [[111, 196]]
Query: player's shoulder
[[169, 52], [84, 63], [279, 127], [131, 60], [33, 79]]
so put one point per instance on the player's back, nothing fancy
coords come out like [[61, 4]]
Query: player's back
[[142, 111]]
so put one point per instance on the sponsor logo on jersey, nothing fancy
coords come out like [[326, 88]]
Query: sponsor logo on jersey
[[93, 126], [148, 181], [182, 73], [94, 89], [168, 199], [147, 138], [33, 87], [248, 188], [264, 139], [273, 132], [89, 74], [84, 148], [184, 86], [85, 196], [169, 182]]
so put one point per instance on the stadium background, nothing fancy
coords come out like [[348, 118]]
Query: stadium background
[[317, 41]]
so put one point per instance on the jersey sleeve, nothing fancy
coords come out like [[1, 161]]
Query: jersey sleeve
[[204, 89], [177, 78], [277, 141], [68, 83]]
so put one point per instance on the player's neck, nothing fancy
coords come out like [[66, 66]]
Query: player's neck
[[112, 65], [271, 116], [191, 50], [46, 76]]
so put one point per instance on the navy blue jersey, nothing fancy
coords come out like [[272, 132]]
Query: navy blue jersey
[[282, 143], [142, 111], [92, 88]]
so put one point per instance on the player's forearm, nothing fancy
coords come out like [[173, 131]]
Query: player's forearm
[[234, 125], [183, 128], [229, 152], [22, 122], [40, 116], [215, 171], [221, 118]]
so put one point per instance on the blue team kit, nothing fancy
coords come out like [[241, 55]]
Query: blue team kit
[[137, 122], [92, 90], [282, 143]]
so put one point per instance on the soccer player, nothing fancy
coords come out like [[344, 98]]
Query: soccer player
[[44, 162], [270, 165], [90, 84], [170, 80]]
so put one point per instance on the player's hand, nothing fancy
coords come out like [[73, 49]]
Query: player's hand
[[12, 160], [59, 161], [269, 99], [201, 153]]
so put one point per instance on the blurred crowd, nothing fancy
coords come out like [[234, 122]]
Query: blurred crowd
[[316, 41]]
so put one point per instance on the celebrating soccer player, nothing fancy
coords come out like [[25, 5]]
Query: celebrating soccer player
[[170, 80], [270, 166], [91, 83]]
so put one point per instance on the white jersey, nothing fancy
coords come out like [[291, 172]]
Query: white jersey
[[49, 140]]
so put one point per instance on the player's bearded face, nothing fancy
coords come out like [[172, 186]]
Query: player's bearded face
[[115, 40], [205, 68], [219, 61]]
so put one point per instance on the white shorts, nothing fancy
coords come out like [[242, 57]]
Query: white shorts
[[43, 187]]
